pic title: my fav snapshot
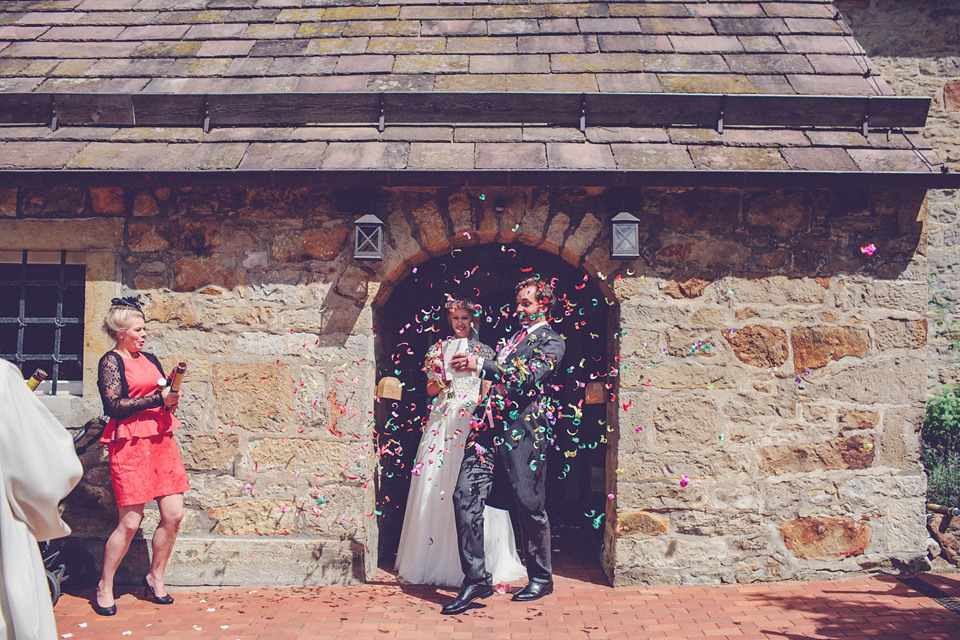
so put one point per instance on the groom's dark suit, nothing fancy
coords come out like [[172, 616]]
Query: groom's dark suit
[[522, 411]]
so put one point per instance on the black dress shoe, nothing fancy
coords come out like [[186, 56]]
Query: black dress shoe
[[104, 611], [468, 593], [533, 591], [150, 594]]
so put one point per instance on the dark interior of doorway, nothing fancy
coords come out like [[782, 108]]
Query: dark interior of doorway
[[413, 319]]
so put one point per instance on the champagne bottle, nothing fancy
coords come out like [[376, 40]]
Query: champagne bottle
[[38, 376]]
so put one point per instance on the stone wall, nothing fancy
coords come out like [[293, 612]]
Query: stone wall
[[770, 388], [915, 46]]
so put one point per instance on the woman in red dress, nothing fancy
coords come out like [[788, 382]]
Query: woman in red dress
[[145, 463]]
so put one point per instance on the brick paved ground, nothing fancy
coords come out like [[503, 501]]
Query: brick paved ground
[[582, 607]]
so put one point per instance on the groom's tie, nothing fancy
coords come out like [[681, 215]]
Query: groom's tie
[[518, 338]]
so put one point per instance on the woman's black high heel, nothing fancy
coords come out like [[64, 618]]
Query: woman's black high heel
[[150, 594], [104, 611]]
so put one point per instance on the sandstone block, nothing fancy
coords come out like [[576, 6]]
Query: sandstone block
[[900, 334], [191, 274], [203, 452], [639, 465], [906, 530], [779, 290], [107, 201], [144, 237], [171, 309], [684, 375], [814, 347], [640, 342], [820, 538], [759, 346], [664, 495], [684, 250], [333, 460], [88, 234], [951, 95], [745, 407], [665, 552], [309, 244], [256, 396], [144, 204], [870, 382], [853, 419], [281, 562], [699, 523], [690, 342], [685, 422], [707, 317], [644, 522], [785, 212], [841, 453], [352, 283], [8, 203], [899, 442], [260, 517]]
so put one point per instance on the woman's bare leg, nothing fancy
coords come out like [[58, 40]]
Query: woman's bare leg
[[171, 513], [117, 545]]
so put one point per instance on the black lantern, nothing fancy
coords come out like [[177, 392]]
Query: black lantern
[[625, 241], [368, 238]]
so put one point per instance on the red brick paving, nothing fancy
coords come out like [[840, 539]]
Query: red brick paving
[[581, 607]]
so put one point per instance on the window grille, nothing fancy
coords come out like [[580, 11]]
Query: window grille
[[41, 315]]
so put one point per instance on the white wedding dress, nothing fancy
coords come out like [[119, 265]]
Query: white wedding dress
[[429, 551]]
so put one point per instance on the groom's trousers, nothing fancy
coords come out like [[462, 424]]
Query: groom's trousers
[[527, 485]]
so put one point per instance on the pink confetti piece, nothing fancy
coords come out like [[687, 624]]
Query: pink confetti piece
[[684, 480], [868, 249]]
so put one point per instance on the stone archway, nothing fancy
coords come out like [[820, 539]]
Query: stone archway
[[408, 317]]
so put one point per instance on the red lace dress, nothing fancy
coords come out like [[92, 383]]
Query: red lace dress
[[145, 462]]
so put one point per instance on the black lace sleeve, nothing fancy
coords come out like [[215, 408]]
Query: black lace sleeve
[[115, 403]]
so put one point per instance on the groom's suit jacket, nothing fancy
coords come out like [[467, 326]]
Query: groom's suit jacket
[[522, 404]]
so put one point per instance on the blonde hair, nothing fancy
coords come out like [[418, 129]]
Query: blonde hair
[[118, 318]]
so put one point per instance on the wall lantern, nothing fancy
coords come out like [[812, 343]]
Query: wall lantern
[[389, 387], [595, 393], [625, 241], [368, 238]]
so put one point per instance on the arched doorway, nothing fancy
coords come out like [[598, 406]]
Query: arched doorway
[[412, 318]]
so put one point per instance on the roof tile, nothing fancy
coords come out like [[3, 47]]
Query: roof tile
[[32, 50], [131, 67], [432, 64], [435, 12], [571, 155], [706, 44], [430, 155], [831, 85], [453, 27], [799, 9], [510, 64], [552, 134], [629, 82], [366, 155], [116, 155], [683, 62], [777, 85], [283, 155], [635, 43], [626, 134], [816, 44], [190, 67], [677, 26], [278, 84], [819, 159], [471, 83], [488, 134], [566, 82], [335, 134], [595, 62], [272, 48], [483, 44], [558, 44], [323, 84], [98, 49], [365, 64], [833, 64], [651, 157], [404, 45], [761, 44], [48, 17], [216, 31], [510, 155], [271, 31], [417, 133], [764, 138], [301, 14], [336, 46], [199, 157], [559, 25], [21, 33], [737, 158], [641, 9], [609, 25], [705, 83], [155, 32], [382, 28], [314, 66], [76, 34], [155, 49], [362, 13], [748, 26], [768, 63], [27, 155], [813, 25], [394, 82], [225, 48], [517, 26], [576, 10], [887, 160], [501, 11], [727, 10], [320, 30]]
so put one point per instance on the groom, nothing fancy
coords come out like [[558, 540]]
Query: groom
[[512, 432]]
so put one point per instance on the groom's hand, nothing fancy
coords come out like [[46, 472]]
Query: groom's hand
[[464, 362]]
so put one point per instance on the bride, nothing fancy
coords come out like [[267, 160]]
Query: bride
[[429, 551]]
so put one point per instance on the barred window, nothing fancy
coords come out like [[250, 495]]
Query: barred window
[[41, 315]]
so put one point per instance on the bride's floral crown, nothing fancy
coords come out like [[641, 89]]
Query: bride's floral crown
[[472, 307]]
